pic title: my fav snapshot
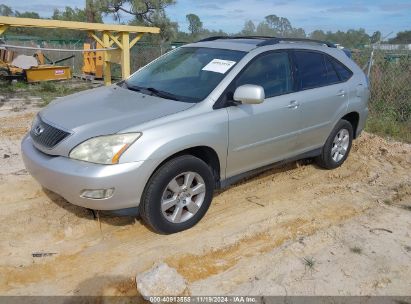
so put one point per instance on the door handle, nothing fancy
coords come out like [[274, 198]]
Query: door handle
[[293, 104], [360, 90], [341, 93]]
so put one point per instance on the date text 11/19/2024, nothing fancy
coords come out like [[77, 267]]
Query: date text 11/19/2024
[[203, 299]]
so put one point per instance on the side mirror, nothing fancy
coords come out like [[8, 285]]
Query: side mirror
[[249, 94]]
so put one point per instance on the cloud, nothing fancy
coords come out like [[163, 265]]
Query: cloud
[[209, 6], [393, 7], [350, 9]]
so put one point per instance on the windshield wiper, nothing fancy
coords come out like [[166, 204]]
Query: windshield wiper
[[162, 94], [153, 91], [133, 88]]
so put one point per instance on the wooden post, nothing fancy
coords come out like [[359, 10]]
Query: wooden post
[[3, 28], [106, 64], [125, 55]]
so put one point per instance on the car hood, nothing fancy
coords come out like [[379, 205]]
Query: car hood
[[103, 111]]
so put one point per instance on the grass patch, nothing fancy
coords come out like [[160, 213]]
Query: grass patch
[[48, 90], [309, 262], [356, 250], [48, 86], [387, 126], [406, 207]]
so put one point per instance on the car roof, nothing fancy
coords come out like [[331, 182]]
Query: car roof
[[247, 44]]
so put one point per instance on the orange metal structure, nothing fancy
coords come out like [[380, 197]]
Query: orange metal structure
[[93, 61]]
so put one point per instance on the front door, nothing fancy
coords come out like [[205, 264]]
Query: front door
[[264, 133]]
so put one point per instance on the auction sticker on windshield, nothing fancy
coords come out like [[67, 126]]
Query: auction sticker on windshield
[[219, 66]]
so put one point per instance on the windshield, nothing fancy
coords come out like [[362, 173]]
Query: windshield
[[186, 74]]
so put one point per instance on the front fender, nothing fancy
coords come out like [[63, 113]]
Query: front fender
[[164, 140]]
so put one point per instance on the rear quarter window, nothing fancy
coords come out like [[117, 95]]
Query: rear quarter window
[[343, 72]]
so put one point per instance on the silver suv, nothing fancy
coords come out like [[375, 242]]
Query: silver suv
[[198, 118]]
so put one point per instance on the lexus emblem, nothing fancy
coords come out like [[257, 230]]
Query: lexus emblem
[[38, 130]]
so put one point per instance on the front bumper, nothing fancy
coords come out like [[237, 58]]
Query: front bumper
[[68, 178]]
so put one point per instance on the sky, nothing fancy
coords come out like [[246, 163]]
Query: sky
[[230, 15]]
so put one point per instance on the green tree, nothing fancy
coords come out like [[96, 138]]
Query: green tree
[[351, 39], [318, 35], [6, 10], [93, 11], [401, 38], [280, 25], [264, 29], [297, 33], [145, 13], [168, 28], [74, 14], [32, 15], [376, 37], [248, 29], [195, 26]]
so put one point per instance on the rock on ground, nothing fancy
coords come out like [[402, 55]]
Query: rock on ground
[[161, 280]]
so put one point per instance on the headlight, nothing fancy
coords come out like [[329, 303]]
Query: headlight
[[104, 149], [34, 122]]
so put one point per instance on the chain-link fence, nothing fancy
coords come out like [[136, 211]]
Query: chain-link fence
[[390, 79]]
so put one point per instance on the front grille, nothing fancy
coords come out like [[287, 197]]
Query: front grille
[[46, 135]]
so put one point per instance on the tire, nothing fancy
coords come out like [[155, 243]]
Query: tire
[[3, 75], [170, 187], [336, 148]]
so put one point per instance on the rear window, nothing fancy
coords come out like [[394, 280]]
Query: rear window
[[312, 69]]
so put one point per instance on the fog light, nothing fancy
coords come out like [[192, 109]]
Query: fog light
[[97, 193]]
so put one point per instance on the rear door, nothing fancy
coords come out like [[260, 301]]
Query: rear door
[[322, 95]]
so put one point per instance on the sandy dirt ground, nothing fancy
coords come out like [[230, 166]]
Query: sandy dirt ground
[[297, 230]]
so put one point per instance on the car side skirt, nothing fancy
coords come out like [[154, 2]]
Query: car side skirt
[[236, 178]]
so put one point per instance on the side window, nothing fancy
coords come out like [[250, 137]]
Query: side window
[[272, 71], [312, 69], [342, 71]]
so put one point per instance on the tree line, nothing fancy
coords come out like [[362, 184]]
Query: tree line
[[153, 13]]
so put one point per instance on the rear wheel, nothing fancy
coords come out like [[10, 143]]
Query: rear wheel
[[337, 147], [178, 195]]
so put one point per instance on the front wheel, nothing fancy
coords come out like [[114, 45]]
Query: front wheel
[[337, 147], [178, 195]]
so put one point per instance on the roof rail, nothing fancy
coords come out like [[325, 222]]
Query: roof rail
[[235, 37], [270, 40], [276, 40], [212, 38]]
